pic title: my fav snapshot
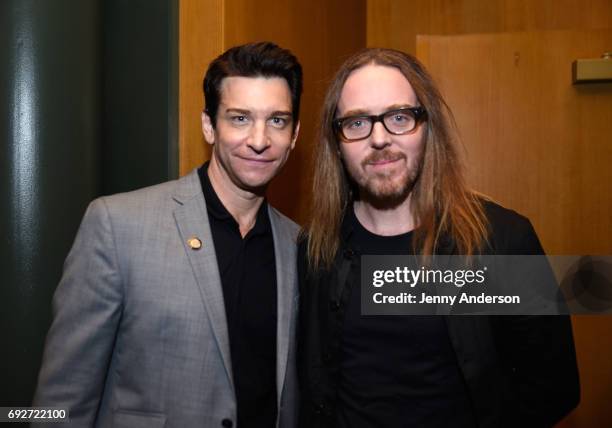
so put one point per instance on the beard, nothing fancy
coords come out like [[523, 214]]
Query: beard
[[388, 188]]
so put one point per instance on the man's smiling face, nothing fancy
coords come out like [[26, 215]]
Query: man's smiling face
[[383, 165], [254, 133]]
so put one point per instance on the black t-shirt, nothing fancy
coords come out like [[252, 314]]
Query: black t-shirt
[[396, 371], [248, 276]]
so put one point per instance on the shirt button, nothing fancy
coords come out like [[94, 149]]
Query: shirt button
[[227, 423], [334, 305]]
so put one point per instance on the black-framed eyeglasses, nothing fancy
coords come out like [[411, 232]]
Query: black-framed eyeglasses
[[397, 122]]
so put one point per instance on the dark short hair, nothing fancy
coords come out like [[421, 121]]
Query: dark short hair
[[264, 59]]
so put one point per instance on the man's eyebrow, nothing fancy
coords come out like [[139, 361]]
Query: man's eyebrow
[[247, 112], [237, 110], [363, 112], [356, 112]]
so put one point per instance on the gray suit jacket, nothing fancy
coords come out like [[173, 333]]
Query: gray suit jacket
[[139, 336]]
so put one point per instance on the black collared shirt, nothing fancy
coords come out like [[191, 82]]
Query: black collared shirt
[[248, 277]]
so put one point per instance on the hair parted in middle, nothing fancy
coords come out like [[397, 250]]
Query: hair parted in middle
[[441, 202]]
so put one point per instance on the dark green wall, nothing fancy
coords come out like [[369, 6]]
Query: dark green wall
[[88, 96], [140, 93]]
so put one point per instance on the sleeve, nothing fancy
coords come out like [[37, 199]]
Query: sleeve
[[538, 354], [87, 308]]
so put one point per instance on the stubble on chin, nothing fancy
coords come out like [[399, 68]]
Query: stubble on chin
[[385, 189]]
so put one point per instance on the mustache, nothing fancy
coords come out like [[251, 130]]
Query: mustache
[[383, 155]]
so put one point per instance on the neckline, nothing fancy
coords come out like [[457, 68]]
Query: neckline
[[360, 228]]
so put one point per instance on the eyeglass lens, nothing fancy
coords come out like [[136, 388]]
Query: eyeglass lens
[[396, 122]]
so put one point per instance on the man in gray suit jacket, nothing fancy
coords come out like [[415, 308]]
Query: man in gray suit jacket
[[177, 304]]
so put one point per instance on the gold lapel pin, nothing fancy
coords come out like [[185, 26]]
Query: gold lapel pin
[[194, 243]]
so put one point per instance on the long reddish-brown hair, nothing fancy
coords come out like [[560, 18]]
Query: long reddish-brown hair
[[441, 203]]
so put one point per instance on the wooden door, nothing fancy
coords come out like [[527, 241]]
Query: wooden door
[[543, 147]]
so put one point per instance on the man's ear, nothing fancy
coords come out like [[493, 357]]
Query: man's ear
[[207, 128], [296, 132]]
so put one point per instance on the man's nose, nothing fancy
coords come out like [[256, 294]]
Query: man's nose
[[259, 140], [380, 137]]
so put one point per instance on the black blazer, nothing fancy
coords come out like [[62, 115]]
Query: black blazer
[[519, 370]]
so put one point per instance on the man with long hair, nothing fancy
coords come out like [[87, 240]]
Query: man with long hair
[[388, 179], [178, 302]]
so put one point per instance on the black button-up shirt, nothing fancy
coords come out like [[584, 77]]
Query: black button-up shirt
[[248, 277]]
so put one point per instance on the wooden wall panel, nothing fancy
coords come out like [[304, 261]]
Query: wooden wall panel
[[396, 23], [541, 146], [322, 34], [200, 41], [535, 142]]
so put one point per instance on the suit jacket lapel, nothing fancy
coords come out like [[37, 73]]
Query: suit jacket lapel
[[285, 259], [192, 222]]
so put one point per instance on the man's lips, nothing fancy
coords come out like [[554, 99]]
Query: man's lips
[[261, 161], [382, 159]]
